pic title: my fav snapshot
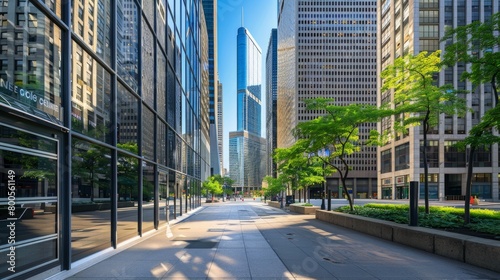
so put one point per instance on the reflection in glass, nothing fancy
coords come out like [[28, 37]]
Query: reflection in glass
[[148, 63], [128, 195], [128, 114], [92, 19], [127, 55], [148, 127], [12, 136], [30, 181], [91, 96], [90, 196], [148, 197], [30, 78]]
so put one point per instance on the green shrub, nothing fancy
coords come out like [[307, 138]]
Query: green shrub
[[482, 220]]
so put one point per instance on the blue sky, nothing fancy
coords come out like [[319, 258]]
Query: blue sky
[[259, 17]]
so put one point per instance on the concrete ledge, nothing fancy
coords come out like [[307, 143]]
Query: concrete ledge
[[274, 204], [301, 209], [469, 249]]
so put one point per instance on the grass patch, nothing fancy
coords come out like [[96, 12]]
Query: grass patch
[[481, 220], [302, 204]]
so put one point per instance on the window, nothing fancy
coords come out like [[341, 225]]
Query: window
[[482, 157], [452, 156], [21, 19], [33, 21], [402, 157], [386, 161], [432, 153], [3, 20]]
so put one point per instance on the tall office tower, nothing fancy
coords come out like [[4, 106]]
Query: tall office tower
[[413, 27], [246, 146], [271, 100], [220, 125], [327, 49], [102, 106], [210, 8]]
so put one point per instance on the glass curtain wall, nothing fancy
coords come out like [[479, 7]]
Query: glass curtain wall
[[121, 90]]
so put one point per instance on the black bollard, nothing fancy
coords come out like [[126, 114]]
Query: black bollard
[[414, 203]]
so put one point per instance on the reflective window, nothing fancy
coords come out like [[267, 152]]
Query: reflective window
[[161, 143], [161, 83], [90, 199], [128, 196], [90, 113], [95, 27], [148, 65], [148, 128], [12, 136], [148, 184], [127, 56], [32, 86], [28, 199], [128, 122], [453, 157]]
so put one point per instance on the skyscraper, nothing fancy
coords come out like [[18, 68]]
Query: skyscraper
[[246, 146], [327, 49], [410, 27], [210, 8], [220, 124], [271, 99]]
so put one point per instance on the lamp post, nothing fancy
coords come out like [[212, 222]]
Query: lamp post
[[324, 153]]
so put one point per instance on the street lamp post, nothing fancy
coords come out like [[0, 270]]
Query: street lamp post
[[324, 153]]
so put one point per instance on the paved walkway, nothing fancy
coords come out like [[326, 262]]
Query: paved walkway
[[250, 240]]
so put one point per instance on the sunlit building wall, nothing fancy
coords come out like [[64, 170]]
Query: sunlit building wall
[[327, 49], [413, 27]]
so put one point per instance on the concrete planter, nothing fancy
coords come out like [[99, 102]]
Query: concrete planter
[[468, 249], [301, 209], [274, 204]]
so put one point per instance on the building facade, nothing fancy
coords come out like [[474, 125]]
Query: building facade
[[416, 26], [244, 143], [102, 107], [327, 49], [210, 8], [220, 125], [271, 100]]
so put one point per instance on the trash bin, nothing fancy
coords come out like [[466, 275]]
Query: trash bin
[[289, 200]]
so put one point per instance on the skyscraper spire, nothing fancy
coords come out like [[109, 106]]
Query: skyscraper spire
[[242, 16]]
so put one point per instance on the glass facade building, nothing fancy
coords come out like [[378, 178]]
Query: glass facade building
[[327, 49], [210, 8], [271, 100], [103, 125], [413, 27], [246, 146]]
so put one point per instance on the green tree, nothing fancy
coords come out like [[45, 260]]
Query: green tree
[[474, 44], [418, 101], [128, 171], [92, 163], [211, 185], [334, 137], [274, 186]]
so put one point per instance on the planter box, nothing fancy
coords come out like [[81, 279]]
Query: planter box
[[274, 204], [469, 249], [301, 209]]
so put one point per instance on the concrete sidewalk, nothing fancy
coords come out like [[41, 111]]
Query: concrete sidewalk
[[250, 240]]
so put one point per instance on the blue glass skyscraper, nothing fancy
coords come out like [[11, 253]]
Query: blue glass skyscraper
[[249, 82], [247, 148]]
